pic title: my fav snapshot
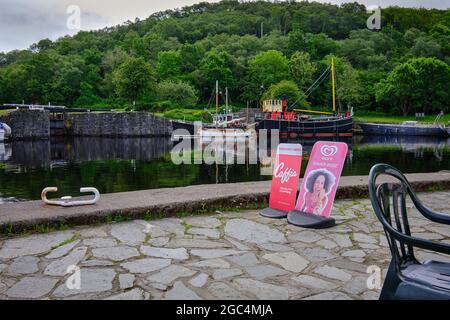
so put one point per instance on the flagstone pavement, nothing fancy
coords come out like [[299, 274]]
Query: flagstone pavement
[[229, 255]]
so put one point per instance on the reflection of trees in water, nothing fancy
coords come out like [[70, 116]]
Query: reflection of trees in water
[[146, 164], [48, 153], [30, 154], [419, 146]]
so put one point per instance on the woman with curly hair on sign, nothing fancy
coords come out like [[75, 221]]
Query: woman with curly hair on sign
[[318, 185]]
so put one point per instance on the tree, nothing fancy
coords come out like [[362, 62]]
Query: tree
[[169, 64], [424, 47], [217, 65], [44, 44], [190, 55], [133, 79], [302, 69], [268, 68], [346, 84], [287, 89], [179, 94], [420, 84], [87, 97], [222, 41], [317, 45]]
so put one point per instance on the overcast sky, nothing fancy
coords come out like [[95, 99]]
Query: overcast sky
[[23, 22]]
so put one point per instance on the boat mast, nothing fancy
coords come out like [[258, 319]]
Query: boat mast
[[332, 84], [226, 100], [217, 103]]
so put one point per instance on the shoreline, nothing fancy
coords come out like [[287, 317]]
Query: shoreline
[[180, 201]]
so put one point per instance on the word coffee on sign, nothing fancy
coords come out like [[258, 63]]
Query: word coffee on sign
[[322, 178], [285, 176]]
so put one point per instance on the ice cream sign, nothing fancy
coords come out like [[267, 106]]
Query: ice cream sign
[[285, 176], [322, 178]]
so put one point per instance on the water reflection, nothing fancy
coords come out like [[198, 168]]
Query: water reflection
[[115, 165], [42, 154]]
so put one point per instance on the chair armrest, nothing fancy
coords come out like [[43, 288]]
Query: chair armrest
[[417, 242], [427, 212]]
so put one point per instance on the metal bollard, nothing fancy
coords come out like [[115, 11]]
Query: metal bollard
[[67, 200]]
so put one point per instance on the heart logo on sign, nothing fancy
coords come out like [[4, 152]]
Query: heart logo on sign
[[328, 151]]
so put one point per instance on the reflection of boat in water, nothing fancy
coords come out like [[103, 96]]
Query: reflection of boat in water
[[207, 134], [5, 151], [413, 144], [407, 128], [5, 131], [406, 142]]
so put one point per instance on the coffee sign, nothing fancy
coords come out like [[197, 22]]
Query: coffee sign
[[285, 176], [321, 178]]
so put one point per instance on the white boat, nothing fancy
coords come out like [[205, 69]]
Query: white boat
[[225, 126], [207, 134], [5, 131]]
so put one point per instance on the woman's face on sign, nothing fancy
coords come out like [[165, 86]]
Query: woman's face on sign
[[319, 183]]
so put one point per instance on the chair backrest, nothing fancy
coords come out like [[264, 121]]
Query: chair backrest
[[397, 229], [389, 204]]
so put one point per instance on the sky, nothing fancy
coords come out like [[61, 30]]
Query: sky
[[24, 22]]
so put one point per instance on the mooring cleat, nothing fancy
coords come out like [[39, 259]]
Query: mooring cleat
[[66, 201]]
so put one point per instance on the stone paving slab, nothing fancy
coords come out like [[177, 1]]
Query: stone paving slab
[[171, 201], [268, 259]]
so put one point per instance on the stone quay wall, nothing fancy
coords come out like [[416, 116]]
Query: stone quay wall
[[111, 124], [27, 124]]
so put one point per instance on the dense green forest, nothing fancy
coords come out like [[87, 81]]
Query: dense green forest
[[256, 49]]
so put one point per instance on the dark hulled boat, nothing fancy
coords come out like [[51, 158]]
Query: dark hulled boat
[[276, 115], [331, 126], [408, 128]]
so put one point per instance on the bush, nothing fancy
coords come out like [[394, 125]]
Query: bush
[[286, 89], [178, 94], [188, 115]]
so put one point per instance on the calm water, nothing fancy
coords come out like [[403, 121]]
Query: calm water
[[116, 165]]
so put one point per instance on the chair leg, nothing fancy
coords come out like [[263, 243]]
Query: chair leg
[[390, 283]]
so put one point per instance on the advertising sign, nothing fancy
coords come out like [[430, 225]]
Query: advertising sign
[[322, 178], [286, 174]]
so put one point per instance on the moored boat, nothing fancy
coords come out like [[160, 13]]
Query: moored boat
[[325, 126], [410, 128], [5, 131], [226, 125], [277, 115]]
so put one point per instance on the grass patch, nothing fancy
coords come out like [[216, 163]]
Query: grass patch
[[117, 218], [188, 115], [186, 226], [67, 241], [203, 209], [153, 215], [380, 117]]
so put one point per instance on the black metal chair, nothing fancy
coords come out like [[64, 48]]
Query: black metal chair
[[407, 278]]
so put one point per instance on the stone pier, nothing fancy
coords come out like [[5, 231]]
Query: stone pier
[[227, 255]]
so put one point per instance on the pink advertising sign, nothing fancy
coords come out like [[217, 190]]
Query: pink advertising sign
[[322, 178], [285, 177]]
